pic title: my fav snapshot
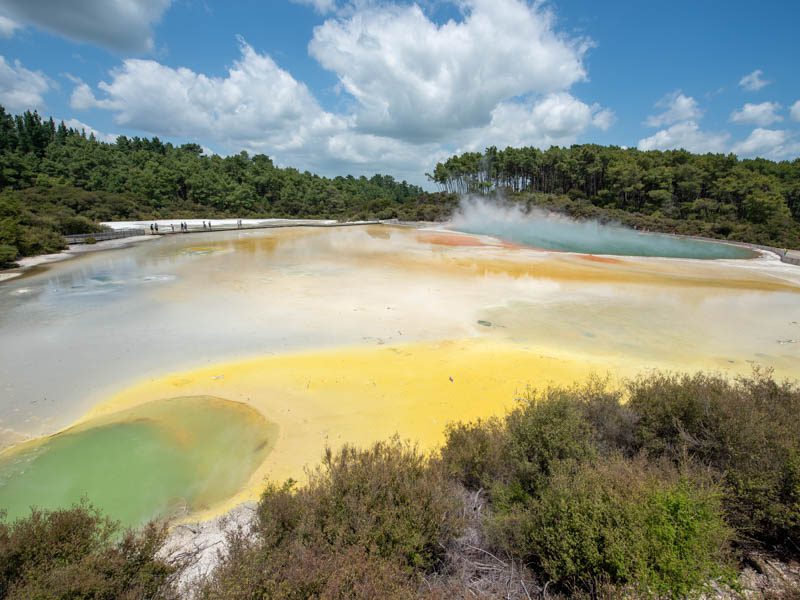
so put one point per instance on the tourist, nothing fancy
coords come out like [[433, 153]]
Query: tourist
[[151, 228]]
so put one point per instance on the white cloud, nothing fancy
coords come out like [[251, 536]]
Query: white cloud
[[754, 81], [257, 106], [555, 119], [82, 97], [603, 118], [467, 83], [688, 136], [124, 25], [757, 114], [81, 126], [795, 111], [677, 107], [321, 6], [7, 27], [20, 88], [256, 102], [768, 143], [415, 80]]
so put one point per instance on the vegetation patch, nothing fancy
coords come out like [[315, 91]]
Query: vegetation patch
[[78, 553], [574, 493]]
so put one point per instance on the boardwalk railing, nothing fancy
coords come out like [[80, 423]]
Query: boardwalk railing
[[102, 236]]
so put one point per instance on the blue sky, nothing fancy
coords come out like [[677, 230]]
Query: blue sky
[[365, 86]]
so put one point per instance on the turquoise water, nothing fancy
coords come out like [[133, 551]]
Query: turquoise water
[[552, 232], [162, 459]]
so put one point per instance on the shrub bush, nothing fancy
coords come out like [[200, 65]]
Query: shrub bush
[[548, 428], [367, 520], [620, 522], [8, 254], [78, 553], [297, 571], [747, 430], [477, 455]]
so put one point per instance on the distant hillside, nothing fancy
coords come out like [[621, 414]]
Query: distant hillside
[[55, 180], [715, 195]]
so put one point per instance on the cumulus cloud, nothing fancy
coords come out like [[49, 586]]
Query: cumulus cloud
[[7, 27], [20, 88], [754, 81], [761, 114], [677, 107], [555, 119], [769, 143], [688, 136], [321, 6], [257, 106], [415, 80], [794, 112], [124, 25], [413, 91], [257, 102]]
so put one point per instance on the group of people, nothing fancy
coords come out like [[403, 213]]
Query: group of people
[[185, 226]]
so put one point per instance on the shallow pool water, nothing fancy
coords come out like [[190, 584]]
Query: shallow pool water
[[161, 459], [334, 335]]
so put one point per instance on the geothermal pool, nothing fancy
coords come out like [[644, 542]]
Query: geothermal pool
[[553, 232], [170, 379]]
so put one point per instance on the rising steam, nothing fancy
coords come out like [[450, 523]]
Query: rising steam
[[551, 231]]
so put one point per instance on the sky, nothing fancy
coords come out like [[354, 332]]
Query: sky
[[391, 86]]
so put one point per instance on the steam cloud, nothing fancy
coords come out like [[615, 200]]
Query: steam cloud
[[542, 229]]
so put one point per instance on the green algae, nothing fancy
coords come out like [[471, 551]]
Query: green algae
[[162, 459]]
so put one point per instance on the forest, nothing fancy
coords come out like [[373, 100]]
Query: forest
[[56, 180], [674, 191]]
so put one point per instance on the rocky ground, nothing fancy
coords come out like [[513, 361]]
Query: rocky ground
[[196, 547]]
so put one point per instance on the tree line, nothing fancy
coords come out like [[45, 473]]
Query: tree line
[[57, 180], [756, 199]]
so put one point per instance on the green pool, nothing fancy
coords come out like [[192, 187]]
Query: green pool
[[161, 459]]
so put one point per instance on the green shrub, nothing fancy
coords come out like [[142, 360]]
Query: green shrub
[[368, 520], [747, 430], [78, 553], [546, 429], [387, 499], [299, 571], [477, 455], [8, 254], [77, 224], [621, 522]]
